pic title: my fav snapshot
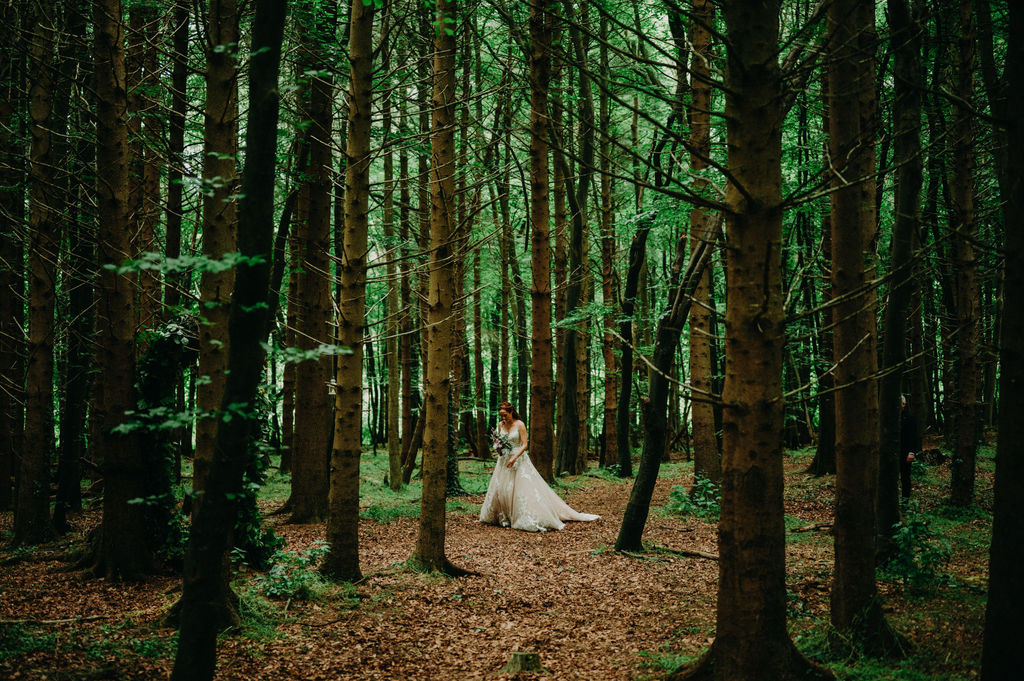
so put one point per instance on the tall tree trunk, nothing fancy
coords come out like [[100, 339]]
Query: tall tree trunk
[[637, 256], [32, 511], [670, 328], [209, 541], [856, 610], [1002, 655], [480, 401], [176, 146], [311, 442], [70, 165], [752, 641], [145, 128], [121, 550], [220, 218], [429, 553], [406, 347], [393, 310], [707, 462], [965, 229], [174, 283], [12, 252], [541, 389], [610, 451], [571, 419], [906, 41], [342, 561]]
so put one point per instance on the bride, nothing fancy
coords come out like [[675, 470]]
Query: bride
[[517, 495]]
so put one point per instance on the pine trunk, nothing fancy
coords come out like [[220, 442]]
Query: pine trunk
[[1002, 655], [429, 553], [342, 562], [212, 523], [541, 389], [220, 218], [32, 511], [965, 232], [122, 550], [707, 461]]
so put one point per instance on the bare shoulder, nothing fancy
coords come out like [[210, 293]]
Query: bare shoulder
[[519, 425]]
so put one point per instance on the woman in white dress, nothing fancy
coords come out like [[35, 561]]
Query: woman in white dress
[[517, 495]]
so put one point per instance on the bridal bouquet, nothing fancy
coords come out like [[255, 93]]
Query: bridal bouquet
[[500, 443]]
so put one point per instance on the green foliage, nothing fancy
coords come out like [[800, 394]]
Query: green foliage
[[18, 639], [919, 554], [704, 501], [293, 574], [157, 262]]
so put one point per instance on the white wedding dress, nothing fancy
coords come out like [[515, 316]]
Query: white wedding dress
[[519, 498]]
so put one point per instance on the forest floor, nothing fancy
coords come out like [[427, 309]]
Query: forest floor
[[590, 612]]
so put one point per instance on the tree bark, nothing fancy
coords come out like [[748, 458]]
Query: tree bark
[[609, 284], [394, 440], [670, 328], [965, 230], [32, 523], [707, 461], [541, 389], [572, 420], [856, 610], [220, 218], [71, 164], [121, 550], [342, 561], [211, 526], [906, 42], [429, 553], [752, 641], [311, 444], [637, 255], [12, 251], [1002, 655]]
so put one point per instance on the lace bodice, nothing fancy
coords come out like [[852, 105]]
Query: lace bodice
[[512, 435]]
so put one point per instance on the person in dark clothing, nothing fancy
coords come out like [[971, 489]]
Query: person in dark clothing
[[910, 444]]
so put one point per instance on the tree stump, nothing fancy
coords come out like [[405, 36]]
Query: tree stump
[[524, 662]]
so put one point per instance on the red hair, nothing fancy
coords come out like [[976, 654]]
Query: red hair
[[507, 406]]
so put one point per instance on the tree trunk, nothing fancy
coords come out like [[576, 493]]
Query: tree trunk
[[572, 419], [965, 229], [342, 562], [32, 511], [752, 641], [78, 277], [670, 328], [220, 218], [480, 401], [541, 389], [12, 251], [429, 553], [609, 436], [906, 42], [637, 255], [1002, 655], [211, 526], [707, 461], [856, 610], [121, 549], [394, 441], [311, 442]]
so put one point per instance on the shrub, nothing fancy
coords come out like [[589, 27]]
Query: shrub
[[919, 554], [703, 500], [293, 574]]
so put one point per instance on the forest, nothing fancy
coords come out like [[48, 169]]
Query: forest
[[750, 273]]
